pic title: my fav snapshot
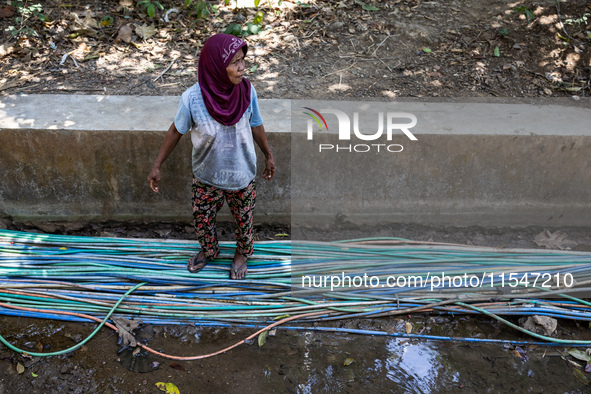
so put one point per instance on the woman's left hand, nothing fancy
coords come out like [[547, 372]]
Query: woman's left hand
[[270, 168]]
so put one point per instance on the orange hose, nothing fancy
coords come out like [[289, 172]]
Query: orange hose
[[270, 326], [164, 354]]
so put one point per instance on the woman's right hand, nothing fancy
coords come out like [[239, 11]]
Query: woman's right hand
[[171, 139], [154, 179]]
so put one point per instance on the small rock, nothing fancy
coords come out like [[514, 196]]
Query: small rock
[[516, 46], [576, 98], [30, 345], [48, 227], [336, 26], [548, 91], [542, 325], [361, 27]]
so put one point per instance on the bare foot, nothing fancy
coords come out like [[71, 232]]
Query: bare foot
[[239, 264]]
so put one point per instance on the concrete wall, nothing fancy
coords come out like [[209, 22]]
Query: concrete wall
[[86, 158], [489, 164], [454, 180]]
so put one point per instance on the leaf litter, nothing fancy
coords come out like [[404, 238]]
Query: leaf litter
[[306, 49], [556, 240]]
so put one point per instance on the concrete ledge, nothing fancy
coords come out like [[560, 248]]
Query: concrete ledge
[[85, 158]]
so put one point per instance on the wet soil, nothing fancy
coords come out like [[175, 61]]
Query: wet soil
[[293, 361]]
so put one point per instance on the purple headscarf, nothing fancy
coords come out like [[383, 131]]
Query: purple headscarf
[[225, 101]]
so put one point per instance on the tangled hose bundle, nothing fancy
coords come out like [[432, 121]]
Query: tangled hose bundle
[[76, 278]]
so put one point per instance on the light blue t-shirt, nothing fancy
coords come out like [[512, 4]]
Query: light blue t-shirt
[[223, 156], [184, 122]]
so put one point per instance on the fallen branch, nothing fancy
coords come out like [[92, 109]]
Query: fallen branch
[[379, 45], [165, 70], [336, 72]]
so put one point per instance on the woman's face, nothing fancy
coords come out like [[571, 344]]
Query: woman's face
[[236, 68]]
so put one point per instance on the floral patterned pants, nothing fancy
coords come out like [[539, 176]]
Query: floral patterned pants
[[208, 200]]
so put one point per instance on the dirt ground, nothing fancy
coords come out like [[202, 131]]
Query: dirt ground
[[323, 50], [319, 49], [293, 361]]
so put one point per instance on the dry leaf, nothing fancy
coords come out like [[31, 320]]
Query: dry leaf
[[263, 338], [177, 366], [124, 329], [6, 49], [163, 233], [7, 12], [348, 361], [516, 354], [408, 327], [579, 355], [554, 241], [83, 47], [88, 21], [82, 27], [12, 84], [145, 31], [20, 368], [169, 388], [124, 34], [581, 376]]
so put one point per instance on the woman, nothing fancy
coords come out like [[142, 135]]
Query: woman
[[222, 113]]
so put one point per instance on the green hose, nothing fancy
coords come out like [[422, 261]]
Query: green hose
[[4, 341], [533, 334]]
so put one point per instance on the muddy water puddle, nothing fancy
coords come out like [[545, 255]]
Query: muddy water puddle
[[290, 361]]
